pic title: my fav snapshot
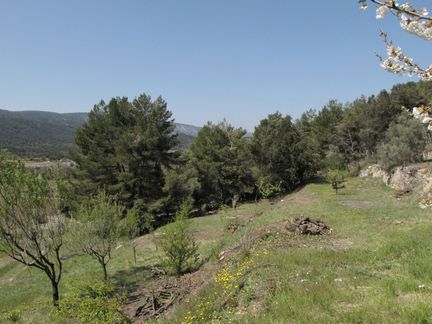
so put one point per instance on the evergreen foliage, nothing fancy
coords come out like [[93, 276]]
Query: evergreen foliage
[[177, 242], [123, 149], [281, 152], [221, 157]]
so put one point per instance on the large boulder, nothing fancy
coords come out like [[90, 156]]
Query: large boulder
[[405, 179], [417, 178], [374, 171]]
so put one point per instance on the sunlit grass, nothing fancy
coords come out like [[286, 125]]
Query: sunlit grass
[[375, 267]]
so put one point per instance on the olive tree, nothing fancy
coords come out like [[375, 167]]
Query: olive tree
[[404, 143], [31, 227], [96, 231]]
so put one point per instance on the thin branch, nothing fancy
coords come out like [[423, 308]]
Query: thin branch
[[394, 6]]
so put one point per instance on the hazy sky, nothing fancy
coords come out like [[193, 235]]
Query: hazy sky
[[209, 59]]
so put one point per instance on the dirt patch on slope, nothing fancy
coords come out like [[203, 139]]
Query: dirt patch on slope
[[161, 296], [286, 229], [300, 198]]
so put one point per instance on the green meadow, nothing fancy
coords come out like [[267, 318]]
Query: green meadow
[[374, 267]]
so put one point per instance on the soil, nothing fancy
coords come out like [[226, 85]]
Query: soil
[[161, 297]]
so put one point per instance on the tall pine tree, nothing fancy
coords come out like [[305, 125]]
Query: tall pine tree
[[123, 149]]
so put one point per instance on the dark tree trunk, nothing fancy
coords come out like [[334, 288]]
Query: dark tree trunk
[[104, 271], [55, 293], [134, 254]]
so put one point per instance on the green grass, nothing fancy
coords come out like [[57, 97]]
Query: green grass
[[368, 270]]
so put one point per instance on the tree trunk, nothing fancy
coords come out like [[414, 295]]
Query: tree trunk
[[104, 271], [55, 293]]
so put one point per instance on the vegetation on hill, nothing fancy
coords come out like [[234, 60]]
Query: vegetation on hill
[[129, 178], [48, 135], [334, 278], [39, 134]]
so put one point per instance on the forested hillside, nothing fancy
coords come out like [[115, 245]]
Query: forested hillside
[[130, 178], [34, 134]]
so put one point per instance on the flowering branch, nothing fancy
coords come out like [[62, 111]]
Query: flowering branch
[[405, 8], [413, 20], [397, 62]]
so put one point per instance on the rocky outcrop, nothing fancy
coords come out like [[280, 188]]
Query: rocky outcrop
[[374, 171], [416, 179], [406, 179]]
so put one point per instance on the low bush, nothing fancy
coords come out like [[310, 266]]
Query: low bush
[[92, 303], [268, 189]]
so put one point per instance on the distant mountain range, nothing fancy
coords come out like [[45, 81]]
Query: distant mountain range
[[34, 134]]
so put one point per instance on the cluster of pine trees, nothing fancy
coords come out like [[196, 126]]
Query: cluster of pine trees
[[129, 150]]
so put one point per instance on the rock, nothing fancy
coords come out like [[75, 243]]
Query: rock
[[404, 179], [232, 228], [374, 171], [309, 226], [426, 201], [419, 112], [426, 120]]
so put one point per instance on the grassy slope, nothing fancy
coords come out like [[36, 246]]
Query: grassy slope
[[368, 270]]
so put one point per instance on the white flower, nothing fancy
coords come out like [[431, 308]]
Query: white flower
[[424, 12], [381, 12]]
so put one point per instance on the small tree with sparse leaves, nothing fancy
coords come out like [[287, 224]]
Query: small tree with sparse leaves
[[336, 177], [96, 231], [32, 228]]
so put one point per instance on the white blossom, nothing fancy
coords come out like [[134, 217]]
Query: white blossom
[[381, 12]]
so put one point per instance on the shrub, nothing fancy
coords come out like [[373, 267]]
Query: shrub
[[336, 177], [95, 303], [268, 189], [13, 315], [177, 242], [354, 168], [404, 142]]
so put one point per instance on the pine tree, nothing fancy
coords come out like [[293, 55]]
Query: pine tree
[[123, 149]]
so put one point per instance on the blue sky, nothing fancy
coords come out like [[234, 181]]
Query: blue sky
[[238, 59]]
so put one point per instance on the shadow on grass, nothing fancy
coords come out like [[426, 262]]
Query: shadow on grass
[[129, 280]]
